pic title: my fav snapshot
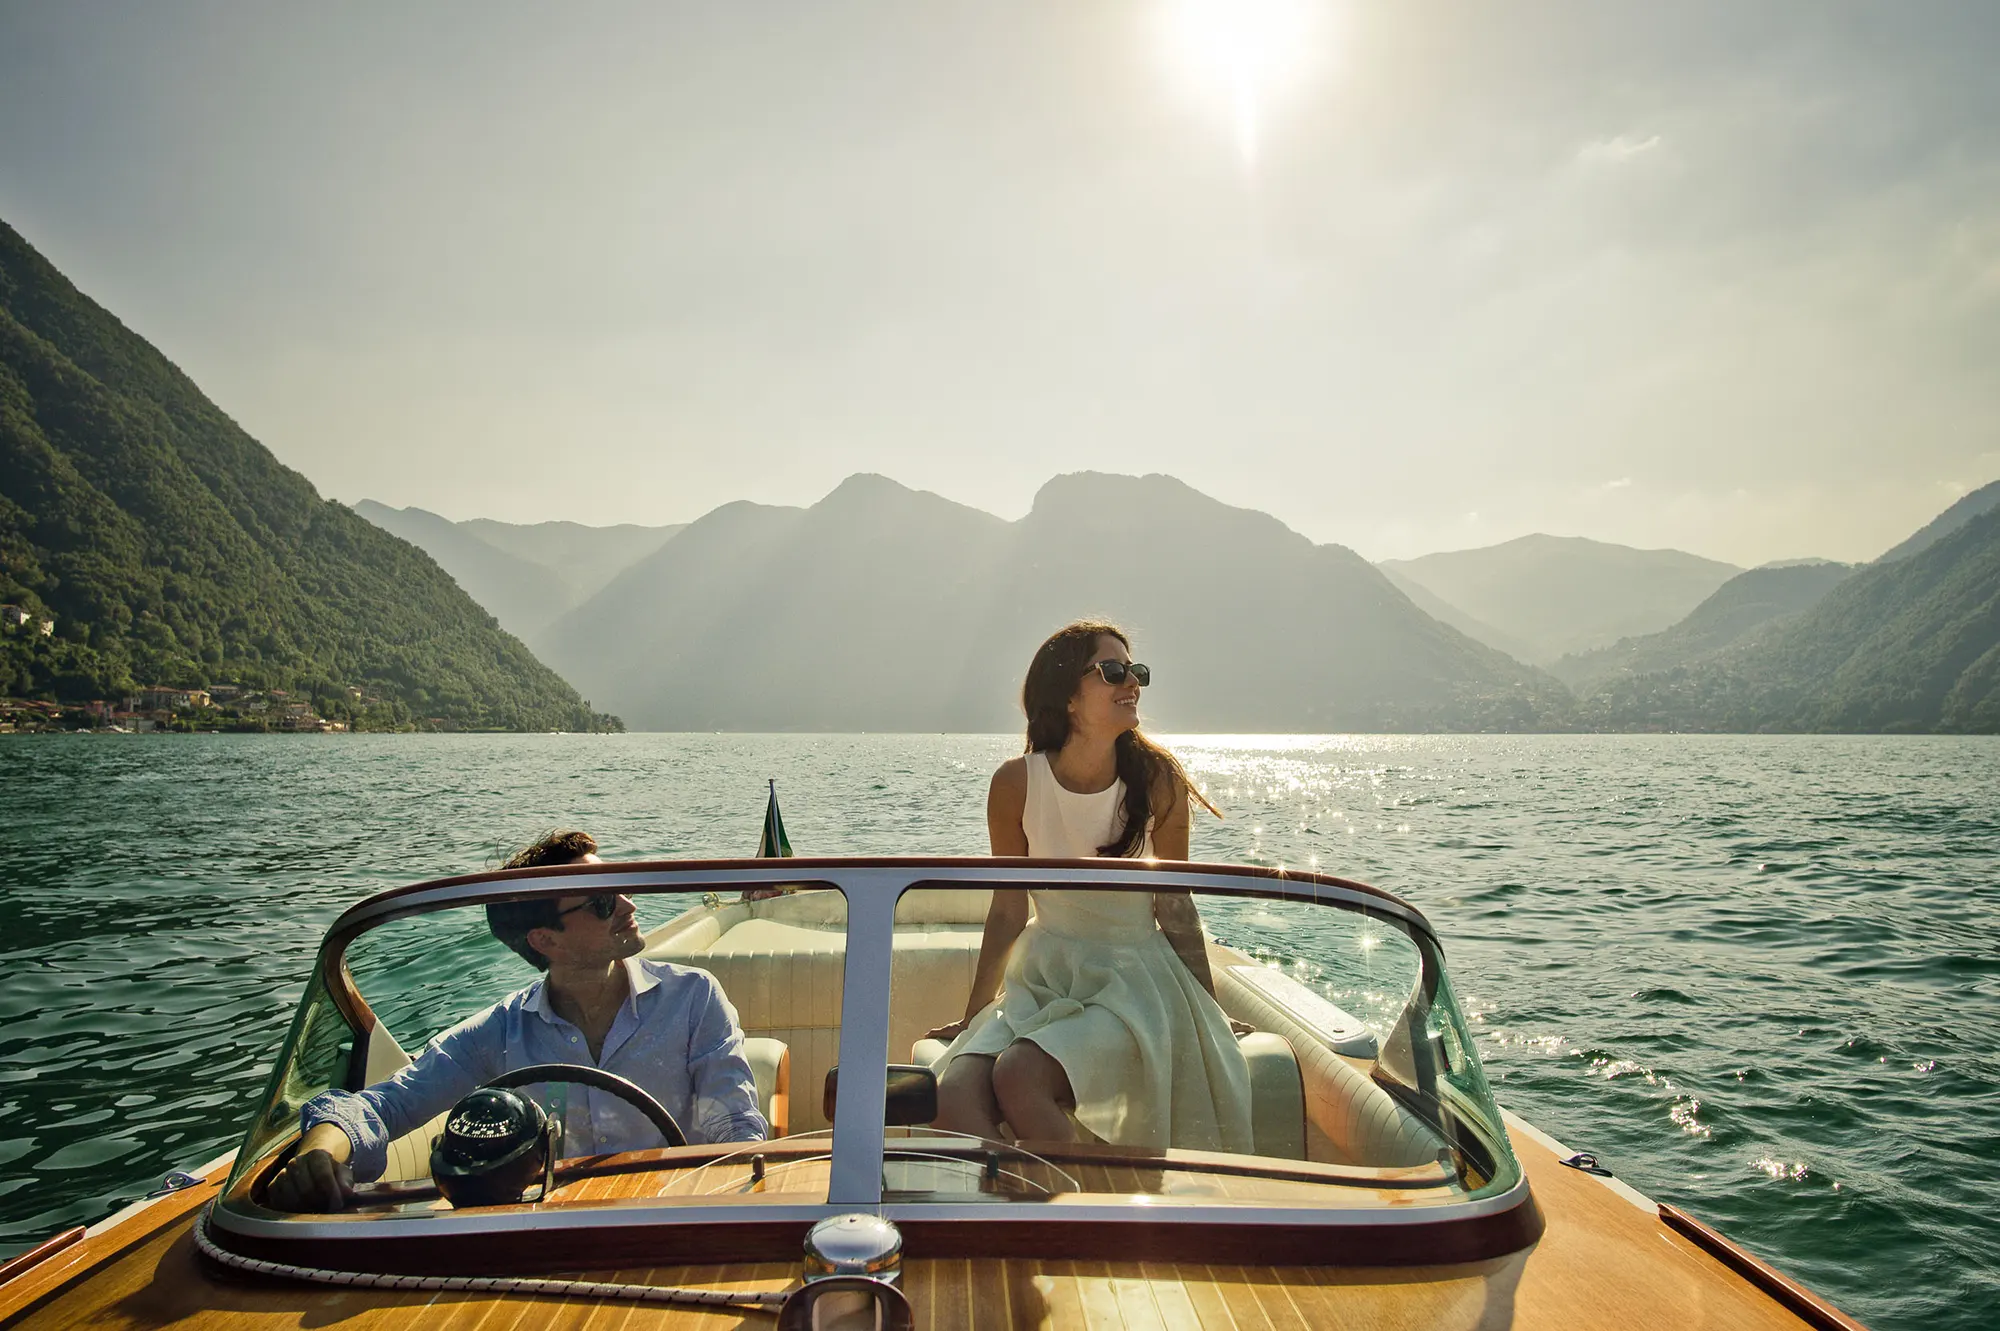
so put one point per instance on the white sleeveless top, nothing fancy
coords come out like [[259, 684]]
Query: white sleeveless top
[[1064, 825]]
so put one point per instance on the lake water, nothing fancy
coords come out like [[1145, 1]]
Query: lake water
[[1758, 976]]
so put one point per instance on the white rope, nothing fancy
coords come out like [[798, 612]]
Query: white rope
[[573, 1289]]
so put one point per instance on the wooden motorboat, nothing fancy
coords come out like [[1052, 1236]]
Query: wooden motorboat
[[1385, 1188]]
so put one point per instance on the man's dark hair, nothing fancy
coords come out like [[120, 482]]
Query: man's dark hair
[[512, 921]]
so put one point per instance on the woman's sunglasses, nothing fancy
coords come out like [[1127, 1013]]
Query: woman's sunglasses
[[602, 904], [1114, 672]]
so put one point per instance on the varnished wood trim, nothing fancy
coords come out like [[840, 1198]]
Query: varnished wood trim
[[41, 1252], [94, 1251], [529, 1252], [1046, 1236], [1444, 1243], [1809, 1307], [781, 1096], [573, 1169], [1217, 1162]]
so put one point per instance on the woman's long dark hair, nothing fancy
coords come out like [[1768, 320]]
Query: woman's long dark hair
[[1053, 678]]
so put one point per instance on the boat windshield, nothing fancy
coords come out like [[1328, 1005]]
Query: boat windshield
[[1154, 1040], [424, 1007], [1240, 1049]]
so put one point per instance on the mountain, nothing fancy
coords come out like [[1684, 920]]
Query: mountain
[[1908, 645], [1556, 595], [1446, 613], [1743, 605], [1983, 500], [171, 548], [584, 558], [856, 614], [524, 596], [884, 608], [527, 576]]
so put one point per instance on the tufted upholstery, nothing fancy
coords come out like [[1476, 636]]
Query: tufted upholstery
[[782, 975], [782, 961], [1364, 1123]]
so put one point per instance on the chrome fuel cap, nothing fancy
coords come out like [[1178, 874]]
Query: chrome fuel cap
[[854, 1245]]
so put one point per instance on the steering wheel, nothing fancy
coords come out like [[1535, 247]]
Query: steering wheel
[[598, 1080]]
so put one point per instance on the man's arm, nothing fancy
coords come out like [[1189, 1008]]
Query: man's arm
[[316, 1178], [353, 1129], [722, 1091]]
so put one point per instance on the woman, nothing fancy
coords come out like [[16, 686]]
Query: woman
[[1108, 1010]]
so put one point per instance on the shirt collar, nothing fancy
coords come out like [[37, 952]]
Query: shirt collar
[[638, 979]]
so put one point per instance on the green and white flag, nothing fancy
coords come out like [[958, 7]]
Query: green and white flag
[[774, 843]]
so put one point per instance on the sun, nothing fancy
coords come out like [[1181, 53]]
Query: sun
[[1242, 53]]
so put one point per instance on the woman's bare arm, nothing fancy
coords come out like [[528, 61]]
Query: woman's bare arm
[[1181, 923], [1005, 919], [1006, 800], [1175, 911], [1170, 821], [1006, 805]]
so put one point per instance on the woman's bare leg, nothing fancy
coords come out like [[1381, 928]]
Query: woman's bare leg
[[965, 1097], [1034, 1093]]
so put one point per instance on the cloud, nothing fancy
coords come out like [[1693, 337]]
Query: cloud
[[1607, 153]]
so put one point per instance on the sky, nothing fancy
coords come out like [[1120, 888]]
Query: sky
[[1409, 275]]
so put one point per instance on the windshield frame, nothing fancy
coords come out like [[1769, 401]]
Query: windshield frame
[[1491, 1225]]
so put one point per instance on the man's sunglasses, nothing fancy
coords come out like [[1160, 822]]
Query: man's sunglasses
[[602, 904], [1114, 672]]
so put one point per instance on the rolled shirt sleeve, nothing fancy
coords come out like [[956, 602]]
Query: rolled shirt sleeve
[[466, 1056]]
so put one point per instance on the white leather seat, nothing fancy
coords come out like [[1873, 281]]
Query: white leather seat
[[1363, 1124]]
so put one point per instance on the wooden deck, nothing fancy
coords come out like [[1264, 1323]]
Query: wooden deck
[[1603, 1265]]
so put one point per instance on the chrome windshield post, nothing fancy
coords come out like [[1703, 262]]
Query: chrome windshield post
[[856, 1171]]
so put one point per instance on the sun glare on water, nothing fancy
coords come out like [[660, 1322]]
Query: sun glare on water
[[1241, 54]]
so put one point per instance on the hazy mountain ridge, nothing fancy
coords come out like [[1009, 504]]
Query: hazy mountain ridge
[[522, 595], [1446, 613], [585, 558], [1552, 596], [1981, 501], [1744, 605], [887, 608], [169, 547], [526, 576], [1908, 645]]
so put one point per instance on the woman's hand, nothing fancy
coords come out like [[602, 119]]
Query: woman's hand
[[948, 1032]]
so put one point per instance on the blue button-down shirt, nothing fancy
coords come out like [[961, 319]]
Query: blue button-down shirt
[[675, 1035]]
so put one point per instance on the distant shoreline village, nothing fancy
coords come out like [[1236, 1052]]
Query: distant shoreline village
[[217, 707]]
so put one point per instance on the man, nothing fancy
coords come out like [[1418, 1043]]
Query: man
[[668, 1028]]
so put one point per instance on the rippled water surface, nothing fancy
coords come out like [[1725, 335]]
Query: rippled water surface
[[1759, 977]]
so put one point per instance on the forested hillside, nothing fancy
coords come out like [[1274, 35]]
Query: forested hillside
[[170, 548], [1746, 604], [528, 575], [1979, 502], [1913, 644]]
